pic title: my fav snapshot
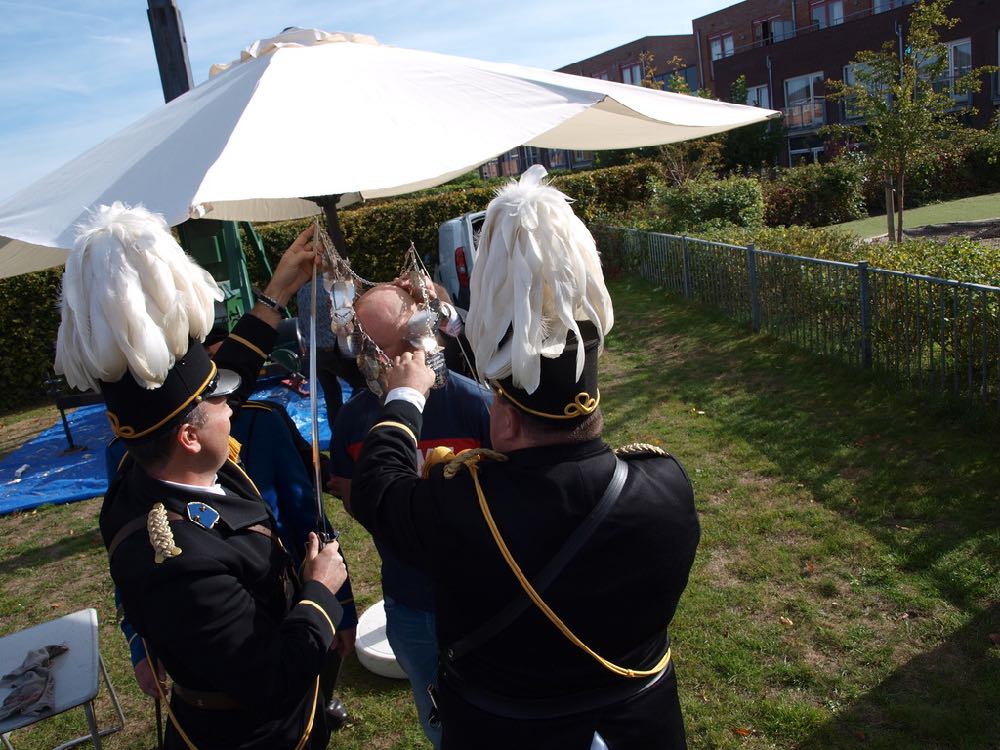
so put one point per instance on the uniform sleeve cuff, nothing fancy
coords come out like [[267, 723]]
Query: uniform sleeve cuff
[[324, 605], [410, 395]]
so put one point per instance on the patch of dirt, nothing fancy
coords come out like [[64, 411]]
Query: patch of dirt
[[985, 232], [14, 435], [717, 568]]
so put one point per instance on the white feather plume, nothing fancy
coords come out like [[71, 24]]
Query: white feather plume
[[131, 298], [537, 273]]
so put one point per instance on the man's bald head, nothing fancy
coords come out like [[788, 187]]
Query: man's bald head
[[383, 312]]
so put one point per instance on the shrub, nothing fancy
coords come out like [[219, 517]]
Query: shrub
[[29, 309], [702, 204], [829, 244], [815, 195], [959, 258]]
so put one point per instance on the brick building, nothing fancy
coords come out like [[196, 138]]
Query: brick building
[[788, 49]]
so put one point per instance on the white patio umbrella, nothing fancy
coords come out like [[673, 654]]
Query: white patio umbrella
[[309, 113]]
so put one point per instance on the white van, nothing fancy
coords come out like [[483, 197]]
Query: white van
[[457, 240]]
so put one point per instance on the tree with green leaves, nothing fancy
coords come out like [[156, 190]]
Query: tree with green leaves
[[751, 148], [906, 103], [689, 160]]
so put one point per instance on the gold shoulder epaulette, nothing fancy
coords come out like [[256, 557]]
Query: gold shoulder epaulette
[[160, 535], [640, 449], [470, 457]]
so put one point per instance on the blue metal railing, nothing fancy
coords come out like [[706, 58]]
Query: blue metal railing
[[928, 332]]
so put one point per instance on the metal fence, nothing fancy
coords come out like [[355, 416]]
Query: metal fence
[[928, 332]]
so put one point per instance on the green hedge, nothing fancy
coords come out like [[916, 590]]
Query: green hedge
[[377, 236], [815, 195], [29, 309], [694, 206], [958, 258]]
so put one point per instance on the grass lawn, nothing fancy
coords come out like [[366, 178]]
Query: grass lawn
[[846, 592], [977, 208]]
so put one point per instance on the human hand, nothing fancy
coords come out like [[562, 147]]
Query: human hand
[[417, 284], [325, 565], [294, 268], [409, 370], [147, 680], [343, 642]]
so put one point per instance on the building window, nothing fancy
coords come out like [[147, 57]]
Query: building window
[[881, 6], [851, 78], [510, 163], [959, 58], [758, 96], [807, 149], [804, 107], [826, 13], [959, 64], [687, 74], [772, 30], [762, 33], [602, 76], [721, 46], [632, 74], [490, 169], [557, 158]]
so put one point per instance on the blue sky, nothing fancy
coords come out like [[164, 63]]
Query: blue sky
[[73, 72]]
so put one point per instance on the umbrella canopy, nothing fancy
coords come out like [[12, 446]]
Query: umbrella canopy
[[309, 113]]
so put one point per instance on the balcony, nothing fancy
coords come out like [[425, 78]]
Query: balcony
[[791, 31], [808, 114]]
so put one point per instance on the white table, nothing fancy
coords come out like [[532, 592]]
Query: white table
[[75, 672]]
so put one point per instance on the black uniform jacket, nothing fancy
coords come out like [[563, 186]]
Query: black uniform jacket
[[227, 614], [618, 594]]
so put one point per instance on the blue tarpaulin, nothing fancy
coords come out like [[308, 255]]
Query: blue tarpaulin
[[42, 471]]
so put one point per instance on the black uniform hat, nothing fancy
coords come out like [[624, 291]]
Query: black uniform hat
[[560, 394], [537, 291], [137, 413]]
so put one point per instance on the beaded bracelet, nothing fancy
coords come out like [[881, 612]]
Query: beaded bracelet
[[270, 302]]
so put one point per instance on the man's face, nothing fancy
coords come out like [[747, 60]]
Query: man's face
[[214, 433]]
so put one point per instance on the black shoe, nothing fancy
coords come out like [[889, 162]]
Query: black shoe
[[336, 714]]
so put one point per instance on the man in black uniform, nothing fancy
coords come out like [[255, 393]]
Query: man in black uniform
[[557, 565], [193, 549]]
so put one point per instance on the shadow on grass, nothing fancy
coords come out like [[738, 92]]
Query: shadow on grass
[[921, 480], [921, 703], [59, 548]]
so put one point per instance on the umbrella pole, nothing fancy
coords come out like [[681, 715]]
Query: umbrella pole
[[329, 205], [321, 529]]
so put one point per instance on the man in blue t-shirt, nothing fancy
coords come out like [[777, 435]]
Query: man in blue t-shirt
[[456, 416]]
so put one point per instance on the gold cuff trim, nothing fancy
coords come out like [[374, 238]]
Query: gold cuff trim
[[583, 404], [399, 425], [248, 345], [124, 431], [322, 611]]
